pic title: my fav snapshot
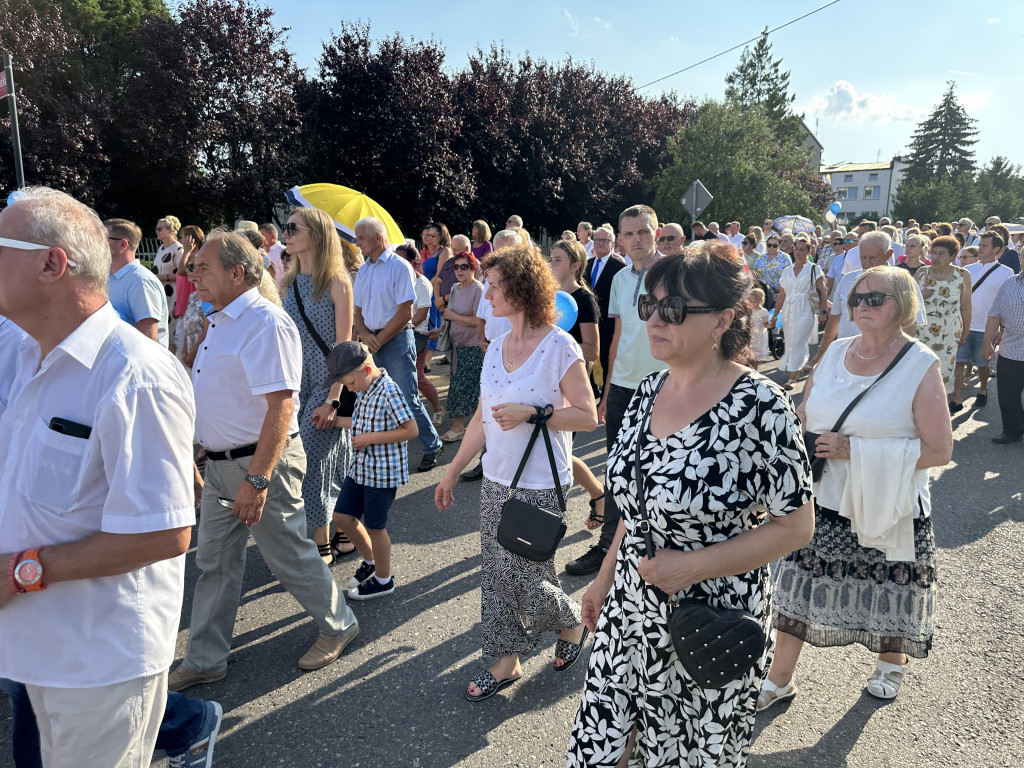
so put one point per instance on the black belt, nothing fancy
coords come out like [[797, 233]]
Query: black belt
[[238, 453]]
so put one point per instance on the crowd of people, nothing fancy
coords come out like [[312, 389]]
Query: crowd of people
[[272, 389]]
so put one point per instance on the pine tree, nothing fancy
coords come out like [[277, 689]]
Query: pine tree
[[759, 81], [942, 145]]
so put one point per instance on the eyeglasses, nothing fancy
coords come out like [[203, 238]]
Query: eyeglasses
[[461, 267], [117, 239], [602, 240], [672, 309], [773, 245], [190, 267], [850, 240], [872, 299], [24, 245], [665, 238], [291, 228], [837, 242]]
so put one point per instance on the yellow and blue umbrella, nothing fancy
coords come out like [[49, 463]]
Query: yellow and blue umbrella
[[346, 206]]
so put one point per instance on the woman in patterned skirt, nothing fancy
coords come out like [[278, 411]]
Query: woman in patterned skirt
[[467, 348], [868, 576], [541, 364], [726, 485]]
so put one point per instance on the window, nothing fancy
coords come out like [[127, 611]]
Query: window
[[847, 178], [872, 177], [846, 193], [872, 193]]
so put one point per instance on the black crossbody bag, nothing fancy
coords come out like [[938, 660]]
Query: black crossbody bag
[[714, 645], [818, 463], [347, 399], [526, 529]]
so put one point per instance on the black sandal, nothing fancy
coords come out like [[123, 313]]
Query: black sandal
[[569, 652], [326, 552], [341, 546], [593, 517], [489, 685]]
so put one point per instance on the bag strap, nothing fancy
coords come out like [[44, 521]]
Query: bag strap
[[541, 427], [641, 503], [977, 285], [309, 326], [857, 399]]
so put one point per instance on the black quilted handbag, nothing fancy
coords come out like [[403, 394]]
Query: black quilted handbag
[[714, 645]]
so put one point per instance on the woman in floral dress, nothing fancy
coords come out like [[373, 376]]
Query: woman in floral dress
[[946, 289]]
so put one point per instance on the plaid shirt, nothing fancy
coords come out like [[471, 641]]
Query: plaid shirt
[[380, 408], [1009, 308]]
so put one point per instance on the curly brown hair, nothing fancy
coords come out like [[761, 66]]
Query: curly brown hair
[[526, 283]]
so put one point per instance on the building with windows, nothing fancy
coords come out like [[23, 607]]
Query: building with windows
[[864, 190]]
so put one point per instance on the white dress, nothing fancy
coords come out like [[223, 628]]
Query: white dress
[[798, 321]]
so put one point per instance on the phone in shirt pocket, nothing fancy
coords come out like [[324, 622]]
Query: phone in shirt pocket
[[52, 469]]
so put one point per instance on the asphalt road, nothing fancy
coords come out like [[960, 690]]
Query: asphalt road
[[395, 698]]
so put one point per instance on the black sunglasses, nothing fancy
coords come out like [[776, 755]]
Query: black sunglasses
[[291, 228], [672, 309], [667, 238], [462, 266], [872, 299], [773, 245]]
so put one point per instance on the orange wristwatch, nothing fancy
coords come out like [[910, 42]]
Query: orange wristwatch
[[28, 572]]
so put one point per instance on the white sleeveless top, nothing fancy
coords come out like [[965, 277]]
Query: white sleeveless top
[[886, 411]]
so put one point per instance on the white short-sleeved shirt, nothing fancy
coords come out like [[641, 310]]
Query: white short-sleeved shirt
[[982, 297], [424, 298], [252, 348], [137, 294], [133, 474], [633, 358], [380, 286], [493, 326], [11, 337], [536, 382], [842, 289]]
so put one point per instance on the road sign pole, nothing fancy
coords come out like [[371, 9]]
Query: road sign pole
[[19, 169]]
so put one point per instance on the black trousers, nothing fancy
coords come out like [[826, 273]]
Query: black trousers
[[1011, 386], [618, 401]]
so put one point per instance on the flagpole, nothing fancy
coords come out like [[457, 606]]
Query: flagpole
[[19, 169]]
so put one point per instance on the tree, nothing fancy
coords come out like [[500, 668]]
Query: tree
[[1000, 189], [938, 199], [759, 81], [942, 145], [743, 163]]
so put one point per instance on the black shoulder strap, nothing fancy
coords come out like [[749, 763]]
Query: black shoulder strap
[[977, 285], [309, 326], [899, 356], [539, 428]]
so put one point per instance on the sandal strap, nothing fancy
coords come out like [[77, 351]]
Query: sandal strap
[[887, 668], [485, 681]]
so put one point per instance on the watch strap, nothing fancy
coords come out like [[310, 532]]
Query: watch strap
[[12, 582], [33, 555]]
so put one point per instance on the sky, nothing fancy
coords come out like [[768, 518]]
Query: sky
[[864, 72]]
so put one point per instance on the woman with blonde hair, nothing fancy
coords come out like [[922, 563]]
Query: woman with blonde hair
[[318, 296], [166, 262]]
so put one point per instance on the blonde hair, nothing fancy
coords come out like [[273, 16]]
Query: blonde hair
[[352, 256], [758, 294], [327, 264], [268, 288], [173, 222], [901, 283]]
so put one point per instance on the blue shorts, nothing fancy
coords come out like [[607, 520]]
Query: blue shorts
[[366, 503], [971, 350]]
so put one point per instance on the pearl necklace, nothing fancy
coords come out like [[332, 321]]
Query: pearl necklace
[[858, 354]]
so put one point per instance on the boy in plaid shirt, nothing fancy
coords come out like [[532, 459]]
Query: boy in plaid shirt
[[381, 423]]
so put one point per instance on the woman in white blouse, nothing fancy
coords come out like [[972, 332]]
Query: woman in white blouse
[[793, 303]]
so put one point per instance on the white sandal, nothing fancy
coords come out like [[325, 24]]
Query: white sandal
[[772, 694], [885, 681]]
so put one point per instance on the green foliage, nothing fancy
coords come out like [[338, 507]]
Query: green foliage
[[937, 199], [1000, 188], [759, 81], [737, 155], [942, 145]]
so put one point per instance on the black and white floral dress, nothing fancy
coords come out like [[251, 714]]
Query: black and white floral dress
[[706, 483]]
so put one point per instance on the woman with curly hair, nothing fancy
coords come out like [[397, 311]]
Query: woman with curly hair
[[541, 364]]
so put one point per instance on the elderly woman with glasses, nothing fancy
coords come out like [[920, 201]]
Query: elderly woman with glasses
[[468, 354], [718, 513], [868, 575], [769, 268]]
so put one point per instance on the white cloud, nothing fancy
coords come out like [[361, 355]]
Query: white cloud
[[993, 21], [574, 25], [842, 102], [602, 22]]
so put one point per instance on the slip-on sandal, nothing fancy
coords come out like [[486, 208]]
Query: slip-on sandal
[[569, 652], [885, 681], [489, 685], [772, 694], [451, 436]]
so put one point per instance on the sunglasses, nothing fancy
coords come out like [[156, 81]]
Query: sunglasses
[[23, 245], [773, 245], [849, 241], [461, 267], [291, 228], [667, 238], [837, 242], [872, 299], [672, 309]]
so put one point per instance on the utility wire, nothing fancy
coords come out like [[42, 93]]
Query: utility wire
[[722, 53]]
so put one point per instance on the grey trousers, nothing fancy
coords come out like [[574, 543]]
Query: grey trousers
[[281, 537]]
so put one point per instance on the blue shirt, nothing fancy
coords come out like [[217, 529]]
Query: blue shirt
[[380, 286], [137, 295], [381, 408]]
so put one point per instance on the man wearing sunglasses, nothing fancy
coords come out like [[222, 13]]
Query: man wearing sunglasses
[[875, 251], [671, 240], [136, 293], [629, 359]]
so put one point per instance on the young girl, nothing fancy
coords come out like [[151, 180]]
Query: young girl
[[760, 322]]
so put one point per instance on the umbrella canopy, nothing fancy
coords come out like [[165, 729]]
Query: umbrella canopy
[[795, 224], [345, 206]]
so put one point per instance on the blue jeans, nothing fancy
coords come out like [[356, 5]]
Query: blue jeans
[[398, 358], [25, 739]]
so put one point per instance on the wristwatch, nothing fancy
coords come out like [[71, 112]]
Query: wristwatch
[[335, 404], [259, 482], [28, 573]]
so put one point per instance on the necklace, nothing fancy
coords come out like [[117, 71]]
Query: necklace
[[858, 354], [512, 360]]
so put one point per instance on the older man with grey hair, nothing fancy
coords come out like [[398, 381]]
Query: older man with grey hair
[[671, 240], [247, 377]]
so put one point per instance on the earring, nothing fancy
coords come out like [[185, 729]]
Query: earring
[[714, 343]]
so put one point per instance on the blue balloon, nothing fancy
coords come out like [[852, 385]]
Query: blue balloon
[[835, 207], [15, 196], [565, 306]]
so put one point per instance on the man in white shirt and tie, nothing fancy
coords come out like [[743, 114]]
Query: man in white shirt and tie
[[599, 273]]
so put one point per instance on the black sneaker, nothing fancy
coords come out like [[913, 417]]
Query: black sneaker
[[429, 460], [1005, 439], [589, 563], [476, 473], [363, 572], [372, 588]]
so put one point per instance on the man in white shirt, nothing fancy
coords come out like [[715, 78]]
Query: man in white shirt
[[96, 500], [734, 234], [247, 376], [382, 297], [273, 249], [599, 273], [136, 293], [987, 276], [713, 228]]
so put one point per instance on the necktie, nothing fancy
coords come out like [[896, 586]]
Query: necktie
[[595, 272]]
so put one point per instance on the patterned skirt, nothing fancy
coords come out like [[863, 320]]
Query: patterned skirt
[[835, 592], [464, 392], [519, 599]]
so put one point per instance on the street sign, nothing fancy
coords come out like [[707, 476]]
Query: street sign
[[696, 199]]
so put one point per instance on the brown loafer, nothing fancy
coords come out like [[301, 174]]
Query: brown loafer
[[327, 649], [183, 677]]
